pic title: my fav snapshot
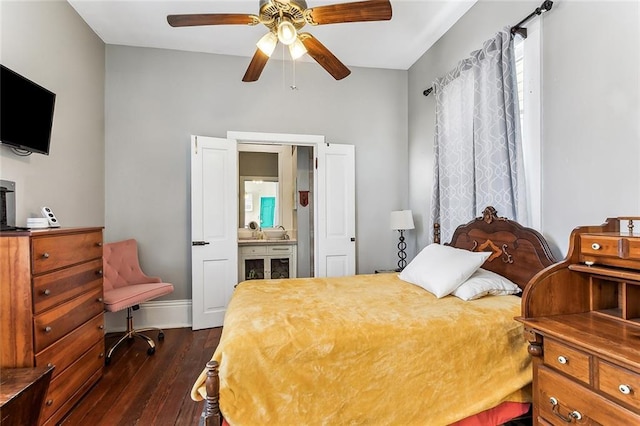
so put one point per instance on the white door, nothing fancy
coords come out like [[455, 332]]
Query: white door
[[335, 218], [214, 218]]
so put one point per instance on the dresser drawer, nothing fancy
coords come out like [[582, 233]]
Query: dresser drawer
[[566, 359], [57, 251], [570, 397], [253, 250], [621, 384], [279, 250], [57, 322], [65, 351], [57, 287], [74, 378]]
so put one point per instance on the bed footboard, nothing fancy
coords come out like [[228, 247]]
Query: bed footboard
[[211, 414]]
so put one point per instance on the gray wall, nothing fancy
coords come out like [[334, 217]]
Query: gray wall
[[50, 44], [590, 109], [155, 99]]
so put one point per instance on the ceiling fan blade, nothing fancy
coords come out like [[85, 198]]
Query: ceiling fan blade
[[324, 57], [361, 11], [256, 66], [212, 19]]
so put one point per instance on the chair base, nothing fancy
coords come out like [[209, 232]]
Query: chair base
[[131, 333]]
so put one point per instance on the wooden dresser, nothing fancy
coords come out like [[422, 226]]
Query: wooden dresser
[[582, 321], [51, 310]]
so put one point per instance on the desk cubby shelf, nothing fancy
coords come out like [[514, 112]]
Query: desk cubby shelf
[[614, 292]]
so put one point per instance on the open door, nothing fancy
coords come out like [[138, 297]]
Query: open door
[[336, 212], [214, 218]]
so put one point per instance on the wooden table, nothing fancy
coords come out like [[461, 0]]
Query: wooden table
[[22, 392]]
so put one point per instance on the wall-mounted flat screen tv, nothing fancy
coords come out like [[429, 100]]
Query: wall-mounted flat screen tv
[[26, 112]]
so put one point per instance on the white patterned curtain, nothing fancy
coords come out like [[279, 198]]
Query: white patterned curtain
[[478, 142]]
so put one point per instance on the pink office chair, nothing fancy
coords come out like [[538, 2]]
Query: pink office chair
[[126, 286]]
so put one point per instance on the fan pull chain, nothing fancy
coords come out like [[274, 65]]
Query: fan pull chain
[[293, 86], [284, 79]]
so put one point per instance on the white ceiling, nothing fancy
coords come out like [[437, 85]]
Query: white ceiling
[[395, 44]]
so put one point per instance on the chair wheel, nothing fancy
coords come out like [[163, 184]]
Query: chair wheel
[[107, 361], [151, 351], [161, 336]]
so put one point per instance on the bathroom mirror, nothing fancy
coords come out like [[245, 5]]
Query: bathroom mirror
[[259, 186], [261, 201]]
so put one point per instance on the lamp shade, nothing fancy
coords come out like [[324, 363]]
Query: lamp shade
[[267, 43], [287, 33], [402, 219], [297, 49]]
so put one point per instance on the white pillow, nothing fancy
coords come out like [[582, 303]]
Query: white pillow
[[483, 283], [441, 269]]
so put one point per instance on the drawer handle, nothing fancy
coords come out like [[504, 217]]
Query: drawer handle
[[50, 365], [99, 244], [49, 402], [570, 417], [563, 360], [595, 246], [46, 292], [47, 329], [99, 273], [101, 355], [99, 299], [101, 327], [625, 389], [45, 255]]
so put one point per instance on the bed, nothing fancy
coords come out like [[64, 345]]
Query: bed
[[379, 348]]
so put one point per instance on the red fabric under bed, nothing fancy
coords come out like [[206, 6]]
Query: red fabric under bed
[[495, 416], [492, 417]]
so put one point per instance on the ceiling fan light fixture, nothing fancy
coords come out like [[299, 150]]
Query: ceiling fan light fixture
[[287, 33], [267, 44], [297, 49]]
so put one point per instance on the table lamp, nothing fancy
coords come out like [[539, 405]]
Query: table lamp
[[402, 220]]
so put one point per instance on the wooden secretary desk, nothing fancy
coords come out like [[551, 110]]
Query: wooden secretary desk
[[582, 321], [51, 310]]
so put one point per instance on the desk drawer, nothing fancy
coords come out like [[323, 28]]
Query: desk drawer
[[65, 351], [63, 387], [54, 252], [622, 251], [600, 245], [619, 383], [57, 322], [570, 397], [57, 287], [566, 359]]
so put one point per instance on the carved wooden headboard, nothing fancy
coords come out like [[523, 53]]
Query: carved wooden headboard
[[518, 253]]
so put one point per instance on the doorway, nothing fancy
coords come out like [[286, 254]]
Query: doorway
[[334, 210], [271, 179]]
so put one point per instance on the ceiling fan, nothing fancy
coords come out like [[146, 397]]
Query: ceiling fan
[[284, 19]]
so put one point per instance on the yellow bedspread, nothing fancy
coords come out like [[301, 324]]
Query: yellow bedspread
[[368, 349]]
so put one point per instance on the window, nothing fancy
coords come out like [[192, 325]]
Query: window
[[528, 72]]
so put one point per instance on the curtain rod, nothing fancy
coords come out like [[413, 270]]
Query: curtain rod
[[517, 28]]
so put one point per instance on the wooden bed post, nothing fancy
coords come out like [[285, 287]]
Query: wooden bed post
[[212, 415]]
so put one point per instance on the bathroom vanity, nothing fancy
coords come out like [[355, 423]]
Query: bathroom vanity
[[266, 259]]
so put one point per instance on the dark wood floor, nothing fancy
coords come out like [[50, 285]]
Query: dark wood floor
[[138, 389]]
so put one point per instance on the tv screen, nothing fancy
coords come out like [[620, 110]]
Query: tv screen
[[26, 112]]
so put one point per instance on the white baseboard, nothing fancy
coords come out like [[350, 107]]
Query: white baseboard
[[162, 314]]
